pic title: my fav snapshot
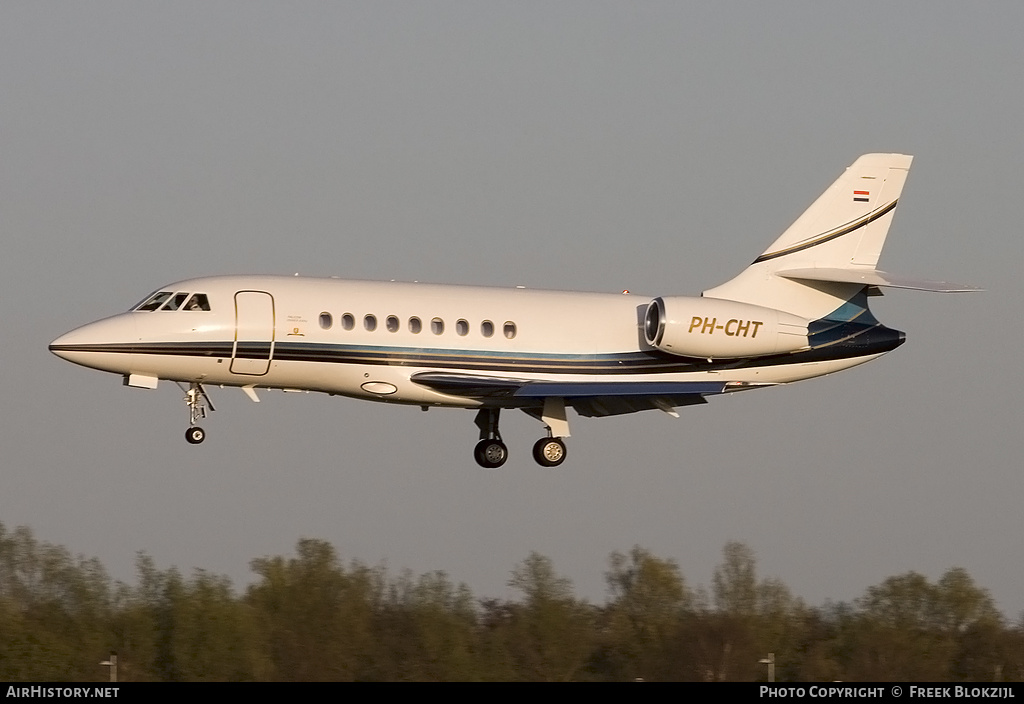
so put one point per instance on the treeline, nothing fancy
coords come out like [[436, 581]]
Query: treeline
[[312, 617]]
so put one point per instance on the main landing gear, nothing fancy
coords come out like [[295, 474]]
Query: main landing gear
[[197, 402], [491, 452], [549, 452]]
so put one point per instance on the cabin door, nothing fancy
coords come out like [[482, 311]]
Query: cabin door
[[254, 333]]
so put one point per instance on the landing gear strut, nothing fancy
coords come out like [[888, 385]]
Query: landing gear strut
[[490, 452], [197, 402], [550, 451]]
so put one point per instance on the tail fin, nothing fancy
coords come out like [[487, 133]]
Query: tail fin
[[842, 232], [847, 225]]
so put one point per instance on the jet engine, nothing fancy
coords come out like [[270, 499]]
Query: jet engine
[[714, 328]]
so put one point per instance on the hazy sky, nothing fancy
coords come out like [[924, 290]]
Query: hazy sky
[[653, 146]]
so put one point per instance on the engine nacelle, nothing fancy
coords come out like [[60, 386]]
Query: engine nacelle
[[715, 328]]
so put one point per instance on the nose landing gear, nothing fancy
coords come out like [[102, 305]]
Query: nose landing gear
[[197, 401]]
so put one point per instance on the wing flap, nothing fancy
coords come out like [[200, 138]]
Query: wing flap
[[600, 406], [594, 389]]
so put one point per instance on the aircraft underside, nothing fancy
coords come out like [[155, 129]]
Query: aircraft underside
[[545, 399]]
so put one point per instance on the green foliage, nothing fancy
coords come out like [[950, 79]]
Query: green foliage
[[54, 611], [314, 617], [911, 629], [649, 605], [735, 581], [549, 635], [311, 617], [431, 629]]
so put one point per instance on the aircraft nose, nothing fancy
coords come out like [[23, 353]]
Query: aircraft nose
[[105, 344], [64, 345]]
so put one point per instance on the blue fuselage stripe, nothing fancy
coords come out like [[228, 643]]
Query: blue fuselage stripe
[[842, 341]]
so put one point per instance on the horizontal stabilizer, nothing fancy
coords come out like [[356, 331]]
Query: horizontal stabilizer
[[873, 277]]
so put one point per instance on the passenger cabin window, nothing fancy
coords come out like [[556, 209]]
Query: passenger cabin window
[[462, 327], [415, 325], [326, 320], [437, 326], [510, 329], [348, 321], [370, 323], [487, 328], [392, 323]]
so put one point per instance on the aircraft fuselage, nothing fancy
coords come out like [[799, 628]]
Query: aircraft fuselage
[[368, 339]]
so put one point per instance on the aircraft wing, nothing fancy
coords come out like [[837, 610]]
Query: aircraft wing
[[589, 398], [470, 385]]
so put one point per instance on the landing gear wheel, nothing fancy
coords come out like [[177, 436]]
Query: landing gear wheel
[[195, 435], [549, 452], [490, 454]]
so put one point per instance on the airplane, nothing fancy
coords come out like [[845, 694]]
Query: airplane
[[799, 310]]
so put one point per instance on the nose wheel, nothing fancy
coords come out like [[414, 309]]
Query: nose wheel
[[195, 435]]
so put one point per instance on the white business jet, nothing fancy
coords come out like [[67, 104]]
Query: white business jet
[[800, 310]]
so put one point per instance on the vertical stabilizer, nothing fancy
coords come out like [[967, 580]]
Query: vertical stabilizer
[[845, 228]]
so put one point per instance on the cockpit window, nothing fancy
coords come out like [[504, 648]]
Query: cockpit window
[[198, 301], [175, 302], [169, 300], [154, 301]]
